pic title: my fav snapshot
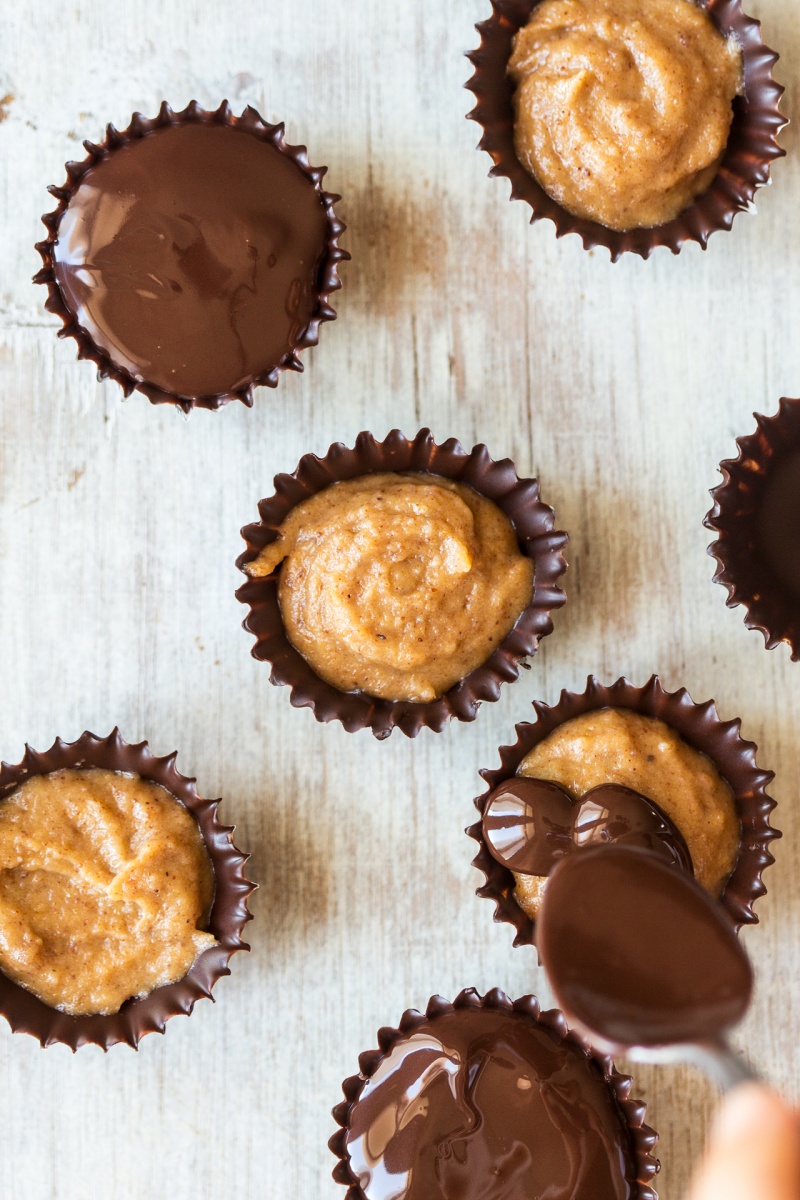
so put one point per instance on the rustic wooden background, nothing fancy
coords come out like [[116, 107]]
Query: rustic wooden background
[[620, 387]]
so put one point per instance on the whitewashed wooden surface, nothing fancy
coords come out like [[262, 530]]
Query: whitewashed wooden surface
[[621, 387]]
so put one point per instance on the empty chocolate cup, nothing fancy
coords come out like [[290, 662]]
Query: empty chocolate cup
[[756, 517], [636, 1140], [206, 303], [699, 726], [533, 523], [752, 144], [25, 1013]]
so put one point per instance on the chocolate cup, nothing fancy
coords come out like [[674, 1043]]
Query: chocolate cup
[[25, 1013], [533, 522], [327, 272], [700, 726], [752, 144], [741, 568], [642, 1138]]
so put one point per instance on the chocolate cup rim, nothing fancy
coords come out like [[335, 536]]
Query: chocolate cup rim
[[327, 277], [769, 606], [752, 144], [702, 728], [26, 1013], [643, 1139], [533, 522]]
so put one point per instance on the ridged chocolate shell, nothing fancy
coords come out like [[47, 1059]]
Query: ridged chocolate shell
[[327, 273], [642, 1138], [533, 522], [741, 568], [25, 1013], [700, 726], [752, 144]]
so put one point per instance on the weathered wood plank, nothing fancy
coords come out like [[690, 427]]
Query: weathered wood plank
[[621, 387]]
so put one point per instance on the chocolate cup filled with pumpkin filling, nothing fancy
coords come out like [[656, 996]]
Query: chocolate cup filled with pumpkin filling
[[192, 256], [756, 517], [400, 583], [631, 764], [122, 897], [489, 1097], [632, 124]]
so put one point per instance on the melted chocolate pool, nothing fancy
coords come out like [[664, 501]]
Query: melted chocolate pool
[[638, 953], [486, 1105], [530, 824], [189, 256], [778, 522]]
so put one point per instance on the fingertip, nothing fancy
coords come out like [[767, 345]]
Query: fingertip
[[752, 1110], [753, 1151]]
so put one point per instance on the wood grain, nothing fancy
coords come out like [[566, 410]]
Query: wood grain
[[622, 388]]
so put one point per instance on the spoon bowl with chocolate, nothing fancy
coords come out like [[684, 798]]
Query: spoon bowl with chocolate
[[643, 961]]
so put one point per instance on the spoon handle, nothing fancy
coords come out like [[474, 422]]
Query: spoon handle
[[722, 1064]]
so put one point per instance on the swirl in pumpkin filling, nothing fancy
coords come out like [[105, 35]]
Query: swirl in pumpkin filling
[[623, 107], [397, 585], [104, 884]]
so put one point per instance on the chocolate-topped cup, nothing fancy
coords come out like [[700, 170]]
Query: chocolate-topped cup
[[684, 783], [193, 255], [400, 583], [756, 517], [482, 1097], [114, 872], [717, 170]]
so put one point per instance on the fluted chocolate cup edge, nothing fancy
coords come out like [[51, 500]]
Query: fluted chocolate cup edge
[[701, 727], [534, 525], [25, 1013], [643, 1139], [328, 280], [751, 149], [769, 609]]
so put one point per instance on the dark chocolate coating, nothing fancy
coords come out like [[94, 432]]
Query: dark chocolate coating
[[778, 522], [529, 824], [190, 256], [638, 953], [758, 545], [488, 1105]]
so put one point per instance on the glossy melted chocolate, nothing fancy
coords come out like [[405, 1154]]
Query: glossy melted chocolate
[[479, 1104], [189, 256], [638, 953], [529, 824]]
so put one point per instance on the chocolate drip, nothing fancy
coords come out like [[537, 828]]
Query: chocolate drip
[[189, 256], [487, 1105], [530, 824], [637, 953]]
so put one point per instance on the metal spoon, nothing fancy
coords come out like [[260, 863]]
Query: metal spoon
[[643, 961]]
